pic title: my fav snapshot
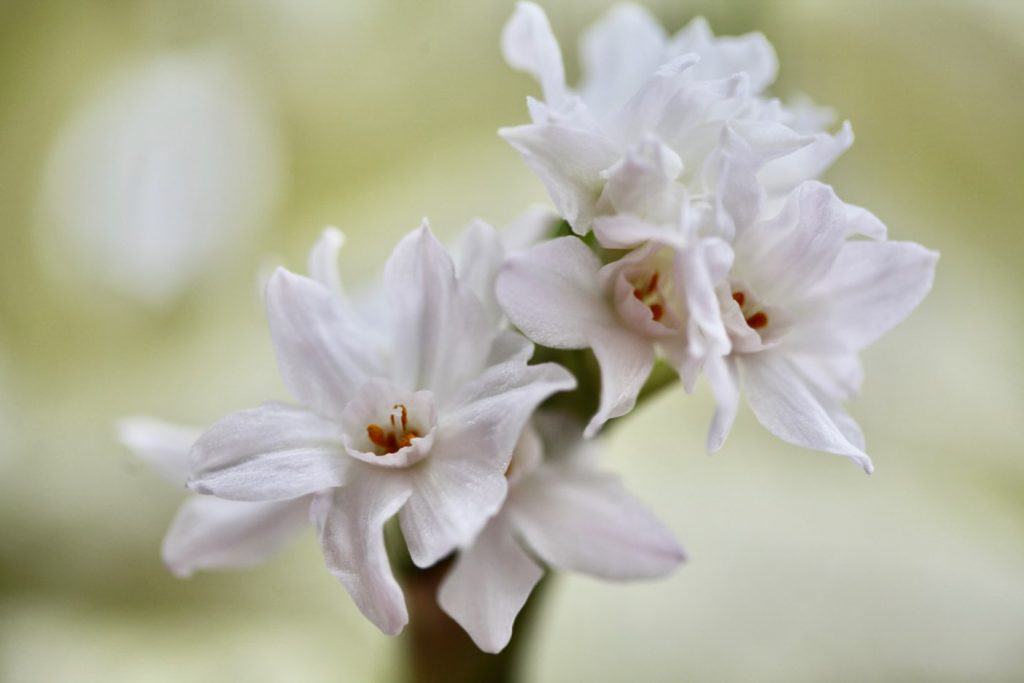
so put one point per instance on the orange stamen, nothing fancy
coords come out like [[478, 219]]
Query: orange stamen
[[378, 436], [396, 439], [739, 298], [657, 311], [653, 284], [758, 320]]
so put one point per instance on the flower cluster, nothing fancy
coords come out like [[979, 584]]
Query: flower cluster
[[691, 229]]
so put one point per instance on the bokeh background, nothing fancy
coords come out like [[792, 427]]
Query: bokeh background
[[273, 118]]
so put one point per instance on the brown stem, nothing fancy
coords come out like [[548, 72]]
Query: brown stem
[[439, 651]]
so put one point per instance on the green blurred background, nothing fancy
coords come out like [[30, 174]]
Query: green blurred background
[[374, 113]]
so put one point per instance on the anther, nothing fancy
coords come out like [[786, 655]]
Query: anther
[[758, 320]]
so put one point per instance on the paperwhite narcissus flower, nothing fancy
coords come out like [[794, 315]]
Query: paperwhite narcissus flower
[[800, 301], [208, 532], [422, 425], [679, 135], [658, 298], [166, 168], [571, 516]]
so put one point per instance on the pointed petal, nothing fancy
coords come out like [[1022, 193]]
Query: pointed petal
[[533, 225], [479, 258], [790, 409], [509, 345], [324, 355], [212, 533], [781, 175], [488, 585], [442, 331], [528, 44], [350, 524], [626, 359], [617, 55], [551, 292], [721, 374], [273, 452], [162, 445], [578, 519], [569, 162], [726, 55], [463, 481], [860, 221], [699, 267], [794, 250], [871, 288], [323, 261]]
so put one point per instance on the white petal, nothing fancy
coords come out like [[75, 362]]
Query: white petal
[[582, 520], [699, 267], [488, 585], [617, 55], [528, 44], [794, 250], [871, 288], [442, 332], [350, 525], [535, 224], [463, 481], [670, 105], [721, 374], [860, 221], [323, 261], [509, 345], [163, 446], [569, 162], [624, 231], [644, 184], [212, 533], [726, 55], [480, 256], [790, 409], [551, 292], [273, 452], [626, 359], [324, 354], [781, 175]]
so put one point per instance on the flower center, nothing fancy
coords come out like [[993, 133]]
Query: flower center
[[646, 292], [757, 319], [398, 436]]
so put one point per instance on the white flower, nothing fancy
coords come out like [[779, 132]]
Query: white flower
[[208, 532], [165, 169], [422, 425], [800, 301], [649, 137], [658, 298], [571, 516]]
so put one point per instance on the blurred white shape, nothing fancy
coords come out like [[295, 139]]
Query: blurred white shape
[[167, 166]]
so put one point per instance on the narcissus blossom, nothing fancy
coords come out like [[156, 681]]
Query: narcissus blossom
[[568, 513], [420, 422], [208, 532], [801, 300], [673, 134], [655, 299]]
